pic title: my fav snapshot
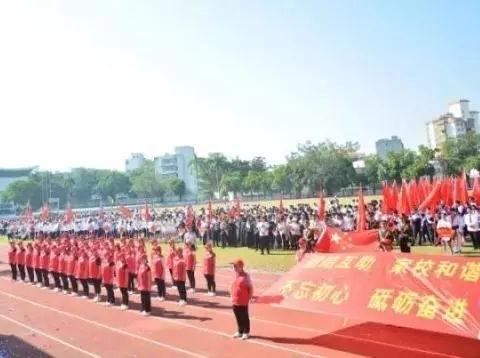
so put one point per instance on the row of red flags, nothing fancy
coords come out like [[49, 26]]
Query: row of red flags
[[426, 194]]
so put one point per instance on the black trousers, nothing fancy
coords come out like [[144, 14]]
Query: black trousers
[[182, 291], [110, 295], [171, 275], [97, 285], [46, 280], [124, 292], [21, 269], [31, 276], [56, 279], [191, 278], [243, 320], [475, 235], [74, 283], [64, 281], [211, 286], [84, 283], [265, 244], [13, 267], [160, 287], [131, 281], [38, 273], [146, 301]]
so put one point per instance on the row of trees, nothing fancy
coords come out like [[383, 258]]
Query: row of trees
[[82, 185], [325, 166]]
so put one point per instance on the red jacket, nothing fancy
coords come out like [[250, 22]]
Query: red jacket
[[44, 260], [242, 290], [131, 262], [12, 256], [20, 259], [81, 268], [190, 260], [171, 256], [29, 258], [107, 273], [94, 267], [158, 267], [36, 259], [144, 278], [71, 263], [209, 263], [122, 274], [179, 269], [62, 264], [53, 265]]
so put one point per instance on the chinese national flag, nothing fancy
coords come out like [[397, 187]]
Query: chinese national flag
[[360, 211], [334, 240], [45, 212], [321, 207]]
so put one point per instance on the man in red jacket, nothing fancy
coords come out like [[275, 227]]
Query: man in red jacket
[[12, 260], [242, 292], [179, 276]]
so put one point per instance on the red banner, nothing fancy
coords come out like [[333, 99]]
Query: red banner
[[434, 293]]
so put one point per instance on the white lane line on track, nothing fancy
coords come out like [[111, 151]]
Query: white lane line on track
[[58, 340], [184, 324], [116, 330]]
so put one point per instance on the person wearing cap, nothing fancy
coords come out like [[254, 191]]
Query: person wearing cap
[[241, 294], [144, 279], [108, 267], [121, 274], [209, 268], [302, 251], [179, 276], [190, 263], [159, 272], [12, 260]]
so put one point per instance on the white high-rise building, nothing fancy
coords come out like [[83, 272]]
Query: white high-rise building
[[388, 145], [456, 122], [135, 161], [180, 165]]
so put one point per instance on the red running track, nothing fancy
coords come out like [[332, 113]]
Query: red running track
[[61, 325]]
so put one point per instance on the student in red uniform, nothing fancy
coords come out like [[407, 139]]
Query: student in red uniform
[[81, 272], [62, 269], [145, 285], [12, 260], [53, 268], [241, 292], [209, 268], [36, 264], [94, 273], [20, 259], [29, 263], [71, 262], [122, 279], [179, 276], [44, 263], [159, 272], [190, 263], [302, 243], [131, 269], [171, 256], [108, 268]]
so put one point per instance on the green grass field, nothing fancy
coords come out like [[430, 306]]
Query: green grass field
[[281, 260]]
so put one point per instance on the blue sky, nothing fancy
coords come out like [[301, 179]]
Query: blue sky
[[86, 83]]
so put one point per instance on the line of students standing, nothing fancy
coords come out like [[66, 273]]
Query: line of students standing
[[91, 263]]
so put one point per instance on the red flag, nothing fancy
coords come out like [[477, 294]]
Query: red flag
[[69, 215], [28, 213], [126, 212], [433, 197], [476, 190], [334, 240], [145, 213], [462, 188], [45, 212], [403, 206], [321, 207], [360, 211], [386, 198]]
